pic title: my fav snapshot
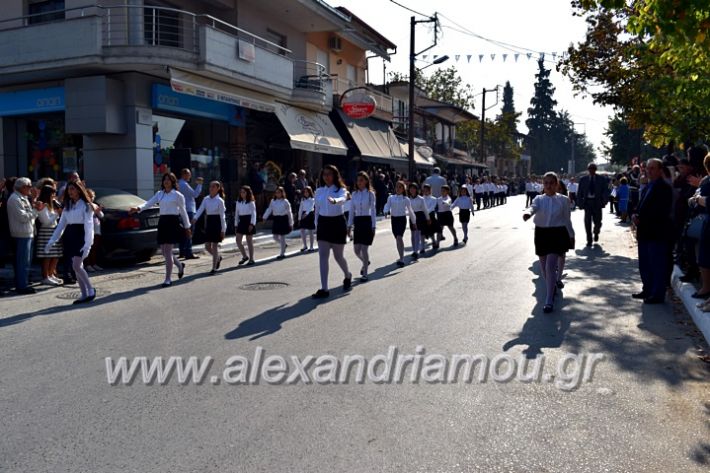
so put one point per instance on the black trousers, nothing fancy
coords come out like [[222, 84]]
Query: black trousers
[[478, 201], [592, 213]]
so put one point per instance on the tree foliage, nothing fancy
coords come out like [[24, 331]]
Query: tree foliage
[[627, 142], [444, 85]]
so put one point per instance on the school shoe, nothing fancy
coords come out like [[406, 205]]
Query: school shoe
[[243, 260], [548, 308], [465, 240], [348, 283], [400, 263], [181, 271], [456, 243], [251, 262], [321, 294], [311, 250], [280, 257], [219, 263], [596, 237], [560, 285], [415, 256], [304, 249], [192, 257], [213, 272], [166, 284]]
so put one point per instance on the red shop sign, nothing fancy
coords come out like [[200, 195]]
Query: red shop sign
[[358, 104]]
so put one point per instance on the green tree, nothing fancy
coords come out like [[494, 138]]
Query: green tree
[[627, 142], [542, 118], [444, 85]]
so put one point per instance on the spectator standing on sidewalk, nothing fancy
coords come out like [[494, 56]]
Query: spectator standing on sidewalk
[[48, 219], [6, 242], [21, 215], [436, 181], [654, 229], [190, 195], [593, 196]]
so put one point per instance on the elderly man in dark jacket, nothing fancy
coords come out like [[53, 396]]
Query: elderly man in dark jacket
[[654, 232]]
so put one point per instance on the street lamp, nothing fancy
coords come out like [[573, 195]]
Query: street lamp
[[436, 62]]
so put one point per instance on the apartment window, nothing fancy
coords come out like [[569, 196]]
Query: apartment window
[[44, 11], [277, 38], [352, 75]]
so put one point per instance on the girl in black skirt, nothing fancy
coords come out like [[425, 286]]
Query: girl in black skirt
[[420, 221], [170, 233], [245, 223], [363, 219], [280, 209], [432, 228], [307, 217], [399, 207], [553, 232], [76, 228], [215, 222], [445, 216], [465, 206], [331, 227]]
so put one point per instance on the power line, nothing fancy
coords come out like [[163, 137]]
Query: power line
[[407, 8]]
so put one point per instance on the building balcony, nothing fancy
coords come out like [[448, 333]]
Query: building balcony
[[385, 103], [102, 38]]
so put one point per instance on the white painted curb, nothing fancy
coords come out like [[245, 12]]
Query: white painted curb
[[684, 291]]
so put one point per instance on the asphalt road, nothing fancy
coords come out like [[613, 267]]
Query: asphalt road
[[646, 408]]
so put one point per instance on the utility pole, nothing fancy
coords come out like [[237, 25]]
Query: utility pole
[[483, 121]]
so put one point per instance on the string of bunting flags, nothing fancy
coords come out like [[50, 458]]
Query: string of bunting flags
[[491, 57]]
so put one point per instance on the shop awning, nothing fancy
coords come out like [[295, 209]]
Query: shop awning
[[199, 86], [419, 160], [374, 139], [457, 161], [310, 131]]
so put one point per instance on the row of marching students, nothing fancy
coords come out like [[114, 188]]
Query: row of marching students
[[428, 216]]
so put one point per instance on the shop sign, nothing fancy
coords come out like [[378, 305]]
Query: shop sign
[[358, 104], [164, 98], [32, 101]]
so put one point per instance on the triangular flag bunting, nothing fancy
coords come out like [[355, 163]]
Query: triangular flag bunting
[[529, 55], [517, 55], [480, 57], [468, 57], [457, 57], [424, 57], [493, 56], [505, 56], [436, 56]]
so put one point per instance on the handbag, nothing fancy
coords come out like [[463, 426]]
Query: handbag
[[695, 227]]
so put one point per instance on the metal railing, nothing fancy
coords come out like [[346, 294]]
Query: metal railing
[[310, 76]]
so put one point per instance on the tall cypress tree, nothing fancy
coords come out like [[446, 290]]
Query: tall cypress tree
[[541, 121]]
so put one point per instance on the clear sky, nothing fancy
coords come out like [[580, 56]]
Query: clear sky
[[536, 25]]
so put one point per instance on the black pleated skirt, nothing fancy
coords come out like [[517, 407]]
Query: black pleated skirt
[[551, 240], [420, 222], [213, 229], [73, 240], [399, 225], [432, 228], [170, 232], [446, 219], [363, 233], [464, 215], [308, 222], [243, 225], [332, 229], [281, 226]]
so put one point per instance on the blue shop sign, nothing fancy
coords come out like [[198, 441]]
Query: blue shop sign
[[165, 98], [27, 102]]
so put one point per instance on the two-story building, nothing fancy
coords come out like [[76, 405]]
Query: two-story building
[[124, 90]]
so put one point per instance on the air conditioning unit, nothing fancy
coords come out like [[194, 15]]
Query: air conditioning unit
[[335, 43]]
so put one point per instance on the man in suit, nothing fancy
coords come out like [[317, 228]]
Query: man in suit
[[592, 196], [654, 232]]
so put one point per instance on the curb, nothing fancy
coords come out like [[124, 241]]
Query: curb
[[684, 291]]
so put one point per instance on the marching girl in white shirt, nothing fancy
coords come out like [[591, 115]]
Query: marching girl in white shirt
[[363, 218], [170, 233], [347, 206], [420, 220], [331, 227], [280, 209], [445, 216], [77, 226], [245, 223], [307, 217], [399, 207], [553, 232], [432, 227], [215, 222], [465, 205]]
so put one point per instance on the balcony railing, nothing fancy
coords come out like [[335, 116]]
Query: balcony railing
[[310, 76]]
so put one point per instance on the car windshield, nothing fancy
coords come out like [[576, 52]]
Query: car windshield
[[117, 198]]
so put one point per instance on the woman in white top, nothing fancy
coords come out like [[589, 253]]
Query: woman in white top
[[363, 219], [445, 216], [280, 209], [90, 263], [170, 233], [465, 205], [331, 227], [245, 223], [215, 222], [48, 217], [420, 220], [399, 207], [307, 217], [554, 234], [77, 226]]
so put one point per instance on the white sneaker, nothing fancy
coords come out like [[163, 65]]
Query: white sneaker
[[49, 282], [58, 281]]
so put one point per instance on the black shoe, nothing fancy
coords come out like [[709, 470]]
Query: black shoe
[[166, 284], [219, 262], [639, 295], [589, 243], [654, 300], [465, 240], [596, 237], [80, 301], [69, 281], [415, 256], [697, 295], [304, 249], [213, 272], [400, 263], [321, 294], [547, 308], [251, 262], [348, 282], [280, 257], [364, 278], [25, 291], [243, 260], [560, 285], [192, 257], [91, 297], [456, 243], [181, 271]]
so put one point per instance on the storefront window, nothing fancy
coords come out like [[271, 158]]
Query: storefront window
[[51, 152]]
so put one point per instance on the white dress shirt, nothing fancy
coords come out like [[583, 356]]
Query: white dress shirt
[[463, 202], [213, 206], [48, 218], [170, 203], [245, 208], [78, 213], [280, 208], [418, 205], [324, 207], [189, 193], [478, 189], [572, 187], [444, 204], [551, 211], [363, 204], [399, 206], [430, 202], [307, 206]]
